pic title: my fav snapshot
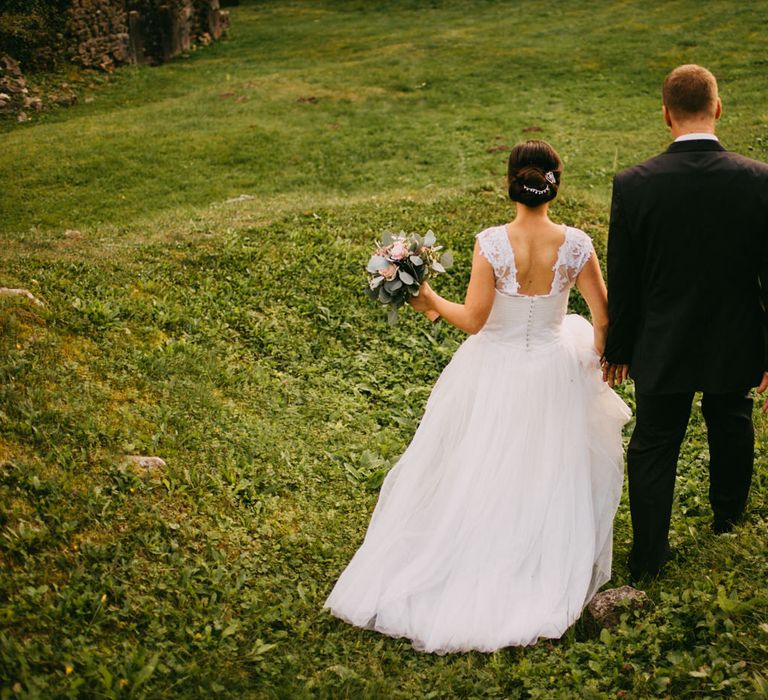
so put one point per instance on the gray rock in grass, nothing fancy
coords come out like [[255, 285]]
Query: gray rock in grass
[[145, 462], [606, 607], [7, 291]]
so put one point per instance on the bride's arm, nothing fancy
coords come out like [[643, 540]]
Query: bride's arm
[[592, 287], [473, 313]]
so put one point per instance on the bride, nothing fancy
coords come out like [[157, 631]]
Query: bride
[[495, 526]]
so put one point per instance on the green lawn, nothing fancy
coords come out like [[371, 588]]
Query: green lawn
[[232, 339]]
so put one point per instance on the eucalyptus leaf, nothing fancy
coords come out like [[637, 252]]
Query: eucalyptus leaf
[[392, 315], [376, 281], [446, 259], [437, 267], [416, 260], [429, 238], [393, 285], [407, 278], [387, 238], [384, 296], [376, 263]]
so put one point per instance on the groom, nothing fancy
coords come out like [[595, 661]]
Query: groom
[[688, 293]]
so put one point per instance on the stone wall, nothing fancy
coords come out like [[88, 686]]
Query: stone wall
[[107, 33], [104, 34], [99, 33]]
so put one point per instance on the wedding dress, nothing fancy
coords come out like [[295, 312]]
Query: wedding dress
[[495, 526]]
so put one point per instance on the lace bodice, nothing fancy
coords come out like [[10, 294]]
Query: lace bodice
[[571, 258]]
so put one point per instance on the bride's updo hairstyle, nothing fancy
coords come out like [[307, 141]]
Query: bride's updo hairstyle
[[533, 173]]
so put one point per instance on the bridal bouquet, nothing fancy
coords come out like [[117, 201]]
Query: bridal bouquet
[[399, 266]]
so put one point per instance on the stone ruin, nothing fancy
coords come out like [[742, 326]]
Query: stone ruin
[[112, 32], [104, 34]]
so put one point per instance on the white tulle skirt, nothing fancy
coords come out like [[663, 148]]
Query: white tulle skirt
[[495, 526]]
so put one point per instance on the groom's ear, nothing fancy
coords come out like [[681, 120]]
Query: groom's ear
[[718, 109], [667, 118]]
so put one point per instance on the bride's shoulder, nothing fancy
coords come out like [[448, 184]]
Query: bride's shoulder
[[491, 232], [577, 240], [577, 235], [493, 244], [578, 248]]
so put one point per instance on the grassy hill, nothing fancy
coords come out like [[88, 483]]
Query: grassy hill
[[231, 339]]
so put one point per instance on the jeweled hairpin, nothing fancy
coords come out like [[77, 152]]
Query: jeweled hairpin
[[550, 177], [533, 190]]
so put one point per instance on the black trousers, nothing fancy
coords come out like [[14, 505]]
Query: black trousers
[[661, 421]]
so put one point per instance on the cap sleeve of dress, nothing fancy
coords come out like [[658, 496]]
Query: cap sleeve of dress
[[581, 250], [494, 247]]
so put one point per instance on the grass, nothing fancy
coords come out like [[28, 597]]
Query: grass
[[407, 98], [230, 339]]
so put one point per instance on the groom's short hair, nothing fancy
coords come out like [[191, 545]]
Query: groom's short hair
[[690, 90]]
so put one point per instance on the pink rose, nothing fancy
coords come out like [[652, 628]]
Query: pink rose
[[398, 251], [389, 273]]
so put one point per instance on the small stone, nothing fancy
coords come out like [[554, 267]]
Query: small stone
[[606, 607], [22, 117], [7, 291], [34, 103], [73, 233], [145, 462], [240, 198]]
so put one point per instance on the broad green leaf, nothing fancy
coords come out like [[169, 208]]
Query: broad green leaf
[[230, 629], [146, 672]]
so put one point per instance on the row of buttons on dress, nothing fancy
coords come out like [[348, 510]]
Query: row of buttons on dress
[[530, 323]]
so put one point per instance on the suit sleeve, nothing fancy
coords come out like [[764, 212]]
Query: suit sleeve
[[623, 286], [763, 277]]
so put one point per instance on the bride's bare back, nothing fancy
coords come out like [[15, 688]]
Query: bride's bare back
[[535, 246]]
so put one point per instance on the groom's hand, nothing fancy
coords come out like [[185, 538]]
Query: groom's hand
[[761, 389], [616, 374]]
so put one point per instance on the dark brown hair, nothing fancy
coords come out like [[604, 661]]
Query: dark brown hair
[[533, 173], [690, 90]]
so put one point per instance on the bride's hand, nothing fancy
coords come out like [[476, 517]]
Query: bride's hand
[[761, 389], [423, 302]]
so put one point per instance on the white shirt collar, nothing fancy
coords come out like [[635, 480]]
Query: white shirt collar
[[699, 136]]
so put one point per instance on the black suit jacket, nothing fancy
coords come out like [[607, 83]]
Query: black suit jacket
[[688, 270]]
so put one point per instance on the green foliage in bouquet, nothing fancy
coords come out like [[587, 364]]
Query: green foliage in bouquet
[[401, 263]]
